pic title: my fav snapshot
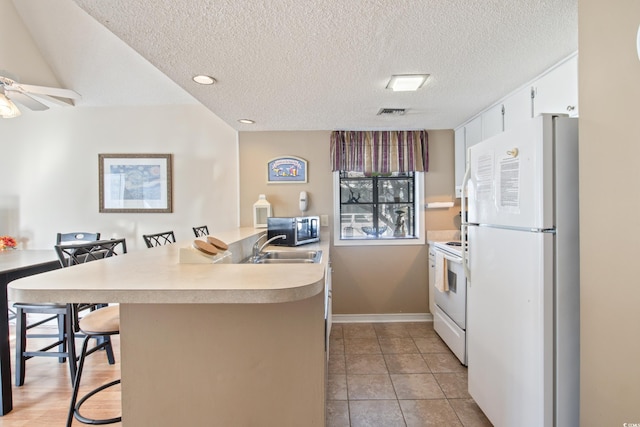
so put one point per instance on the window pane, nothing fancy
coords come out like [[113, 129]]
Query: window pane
[[398, 219], [356, 191], [395, 190], [353, 217]]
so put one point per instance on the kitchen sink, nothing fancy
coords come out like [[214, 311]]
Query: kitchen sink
[[286, 257]]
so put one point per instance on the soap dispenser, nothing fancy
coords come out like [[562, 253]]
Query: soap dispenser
[[261, 211]]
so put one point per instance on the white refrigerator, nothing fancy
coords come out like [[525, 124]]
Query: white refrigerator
[[522, 268]]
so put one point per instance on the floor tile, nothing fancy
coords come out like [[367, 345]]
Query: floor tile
[[375, 413], [337, 413], [369, 387], [433, 344], [365, 364], [336, 345], [454, 384], [336, 387], [443, 362], [416, 386], [406, 364], [337, 364], [469, 413], [396, 374], [336, 331], [358, 330], [429, 413], [362, 346], [420, 330], [397, 345], [396, 330]]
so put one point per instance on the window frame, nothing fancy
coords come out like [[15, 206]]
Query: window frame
[[418, 201]]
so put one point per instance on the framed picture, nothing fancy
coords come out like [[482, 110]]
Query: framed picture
[[287, 169], [135, 183]]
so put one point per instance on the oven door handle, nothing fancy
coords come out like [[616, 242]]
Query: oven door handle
[[454, 259]]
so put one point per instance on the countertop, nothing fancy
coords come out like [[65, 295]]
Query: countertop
[[156, 276]]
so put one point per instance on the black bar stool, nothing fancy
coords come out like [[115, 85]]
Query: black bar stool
[[101, 323]]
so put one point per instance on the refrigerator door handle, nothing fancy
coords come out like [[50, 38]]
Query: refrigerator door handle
[[463, 221]]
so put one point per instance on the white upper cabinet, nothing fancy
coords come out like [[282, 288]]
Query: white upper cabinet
[[557, 91], [465, 137], [473, 132], [517, 108], [553, 92], [493, 121]]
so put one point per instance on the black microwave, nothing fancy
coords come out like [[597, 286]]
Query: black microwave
[[298, 230]]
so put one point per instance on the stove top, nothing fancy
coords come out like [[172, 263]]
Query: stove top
[[452, 247]]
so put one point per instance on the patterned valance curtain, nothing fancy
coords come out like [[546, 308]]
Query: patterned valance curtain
[[380, 151]]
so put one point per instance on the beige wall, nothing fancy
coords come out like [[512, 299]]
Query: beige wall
[[366, 280], [609, 88], [49, 173]]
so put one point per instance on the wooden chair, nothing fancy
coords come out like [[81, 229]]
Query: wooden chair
[[61, 312], [101, 323], [159, 239], [201, 231]]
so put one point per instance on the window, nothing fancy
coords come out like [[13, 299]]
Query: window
[[379, 209]]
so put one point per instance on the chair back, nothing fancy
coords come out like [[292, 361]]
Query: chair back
[[77, 237], [201, 231], [79, 253], [159, 239]]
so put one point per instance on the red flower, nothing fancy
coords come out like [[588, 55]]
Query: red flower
[[8, 242]]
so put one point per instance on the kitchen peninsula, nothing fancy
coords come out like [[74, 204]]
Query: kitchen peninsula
[[208, 344]]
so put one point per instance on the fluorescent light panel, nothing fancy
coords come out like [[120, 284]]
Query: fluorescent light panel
[[407, 82]]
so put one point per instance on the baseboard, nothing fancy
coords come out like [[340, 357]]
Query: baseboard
[[382, 318]]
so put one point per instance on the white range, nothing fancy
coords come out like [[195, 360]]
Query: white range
[[450, 295]]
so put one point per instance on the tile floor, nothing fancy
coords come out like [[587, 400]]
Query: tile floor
[[396, 374]]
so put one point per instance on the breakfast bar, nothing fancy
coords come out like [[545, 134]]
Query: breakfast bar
[[207, 343]]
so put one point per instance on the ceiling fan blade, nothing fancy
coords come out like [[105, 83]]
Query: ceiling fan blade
[[51, 100], [25, 100], [52, 91]]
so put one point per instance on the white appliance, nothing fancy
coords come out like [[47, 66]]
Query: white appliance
[[523, 274], [450, 311]]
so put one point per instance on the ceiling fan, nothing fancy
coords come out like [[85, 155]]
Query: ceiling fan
[[37, 98]]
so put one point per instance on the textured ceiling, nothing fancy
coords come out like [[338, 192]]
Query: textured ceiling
[[303, 65]]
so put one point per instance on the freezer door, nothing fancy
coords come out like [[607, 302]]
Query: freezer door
[[510, 326], [511, 177]]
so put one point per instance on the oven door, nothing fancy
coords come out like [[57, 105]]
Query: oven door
[[454, 302]]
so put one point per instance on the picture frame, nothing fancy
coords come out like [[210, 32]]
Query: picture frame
[[287, 170], [135, 183]]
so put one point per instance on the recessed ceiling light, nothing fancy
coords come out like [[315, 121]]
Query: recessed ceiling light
[[407, 82], [204, 80], [246, 121]]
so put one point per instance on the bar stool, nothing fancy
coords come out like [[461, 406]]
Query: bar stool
[[201, 231], [101, 323], [159, 239], [66, 314]]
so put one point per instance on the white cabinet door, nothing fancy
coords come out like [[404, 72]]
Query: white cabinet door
[[492, 121], [465, 137], [557, 91], [517, 108], [473, 132], [459, 158]]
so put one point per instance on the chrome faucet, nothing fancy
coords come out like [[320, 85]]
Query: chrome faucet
[[257, 249]]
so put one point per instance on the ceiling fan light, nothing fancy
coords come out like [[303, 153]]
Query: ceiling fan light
[[8, 109], [406, 82]]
